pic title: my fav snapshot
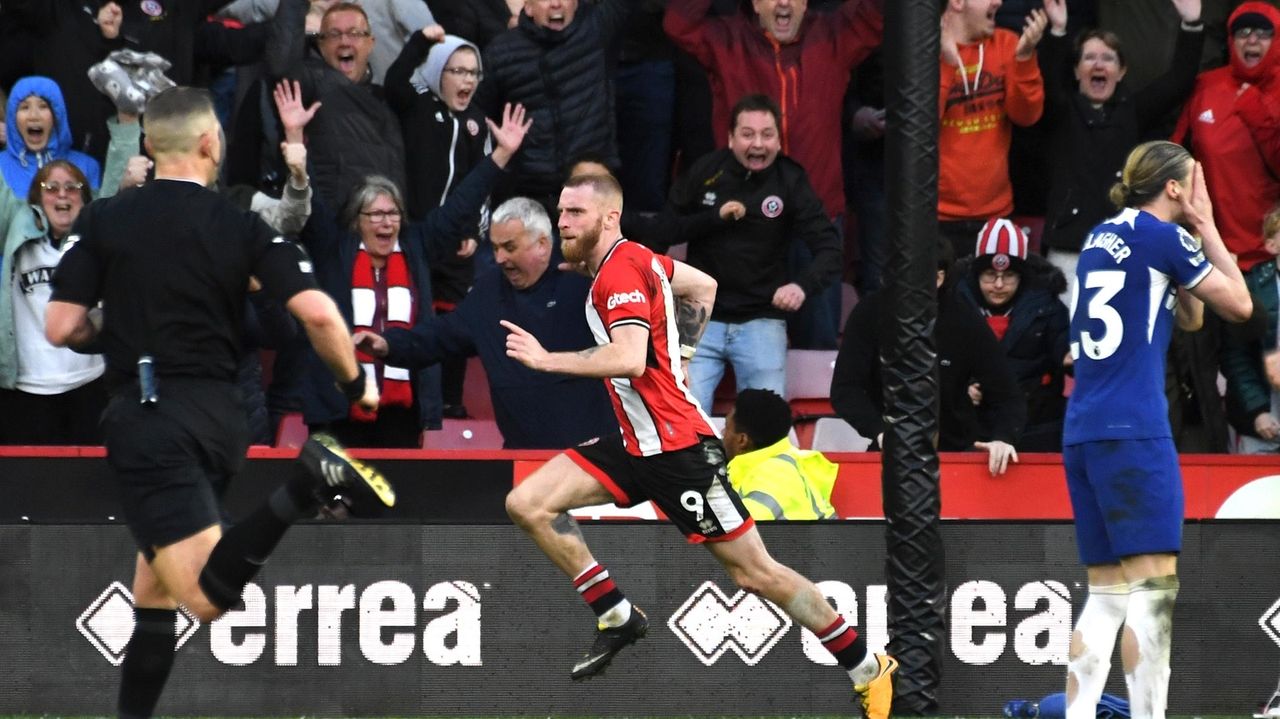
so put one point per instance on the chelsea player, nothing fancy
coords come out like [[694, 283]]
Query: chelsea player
[[1139, 272]]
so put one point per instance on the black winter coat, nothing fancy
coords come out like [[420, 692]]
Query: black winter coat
[[1089, 145], [1034, 346], [967, 352], [748, 257], [563, 79], [354, 134]]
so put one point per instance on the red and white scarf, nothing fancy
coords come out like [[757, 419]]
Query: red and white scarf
[[395, 382]]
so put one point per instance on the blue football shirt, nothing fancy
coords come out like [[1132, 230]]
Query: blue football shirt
[[1122, 305]]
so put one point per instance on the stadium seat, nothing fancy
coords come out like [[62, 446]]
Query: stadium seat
[[464, 434], [809, 382], [292, 432], [832, 434], [678, 252], [1034, 227], [475, 391]]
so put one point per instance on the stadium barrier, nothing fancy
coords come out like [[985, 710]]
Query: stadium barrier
[[447, 610]]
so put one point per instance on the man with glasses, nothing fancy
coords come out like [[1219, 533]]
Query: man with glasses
[[1017, 294], [354, 133]]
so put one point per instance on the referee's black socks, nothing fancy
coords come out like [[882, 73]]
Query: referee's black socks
[[244, 548], [147, 661]]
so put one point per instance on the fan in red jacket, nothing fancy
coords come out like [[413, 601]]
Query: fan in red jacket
[[1232, 125], [801, 60]]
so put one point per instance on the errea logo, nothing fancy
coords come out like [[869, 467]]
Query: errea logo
[[623, 298]]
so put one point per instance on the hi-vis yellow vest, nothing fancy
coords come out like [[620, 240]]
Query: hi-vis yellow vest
[[783, 482]]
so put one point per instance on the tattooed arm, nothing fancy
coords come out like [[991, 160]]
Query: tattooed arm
[[695, 293]]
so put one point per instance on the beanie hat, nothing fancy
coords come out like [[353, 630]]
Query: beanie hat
[[1251, 21], [1002, 245], [1253, 14]]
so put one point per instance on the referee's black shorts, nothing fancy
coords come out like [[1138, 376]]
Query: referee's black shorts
[[173, 460], [690, 485]]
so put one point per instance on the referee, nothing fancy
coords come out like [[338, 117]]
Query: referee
[[171, 263]]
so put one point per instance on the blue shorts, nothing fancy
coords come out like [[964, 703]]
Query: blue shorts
[[1126, 496]]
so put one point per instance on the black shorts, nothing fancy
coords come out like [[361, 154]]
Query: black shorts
[[172, 461], [691, 485]]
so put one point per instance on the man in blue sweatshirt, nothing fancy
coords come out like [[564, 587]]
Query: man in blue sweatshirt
[[534, 410]]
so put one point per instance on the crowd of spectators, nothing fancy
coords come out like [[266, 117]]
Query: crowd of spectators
[[416, 149]]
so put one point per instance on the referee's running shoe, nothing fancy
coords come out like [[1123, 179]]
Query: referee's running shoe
[[876, 696], [609, 641], [363, 487]]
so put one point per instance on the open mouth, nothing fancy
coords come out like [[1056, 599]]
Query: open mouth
[[782, 22], [35, 135], [347, 61], [464, 96], [1098, 82], [556, 21], [1251, 57]]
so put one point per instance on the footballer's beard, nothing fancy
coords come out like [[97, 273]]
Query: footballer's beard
[[579, 249]]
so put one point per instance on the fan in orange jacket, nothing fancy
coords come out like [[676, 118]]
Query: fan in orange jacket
[[988, 81]]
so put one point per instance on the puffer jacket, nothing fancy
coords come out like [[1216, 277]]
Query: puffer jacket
[[1034, 346], [354, 134], [562, 77]]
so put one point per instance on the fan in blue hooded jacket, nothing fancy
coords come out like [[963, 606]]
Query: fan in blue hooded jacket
[[38, 133]]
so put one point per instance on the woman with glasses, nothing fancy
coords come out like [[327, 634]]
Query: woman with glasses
[[1232, 126], [50, 395], [375, 262]]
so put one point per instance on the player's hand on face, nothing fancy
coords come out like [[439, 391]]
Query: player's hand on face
[[524, 347], [999, 454], [788, 297], [1196, 204], [370, 343]]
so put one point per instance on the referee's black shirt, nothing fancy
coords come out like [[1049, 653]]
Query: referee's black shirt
[[171, 262]]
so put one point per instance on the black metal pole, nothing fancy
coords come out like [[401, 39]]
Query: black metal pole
[[909, 477]]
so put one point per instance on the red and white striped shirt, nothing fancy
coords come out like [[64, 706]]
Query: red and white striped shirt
[[656, 411]]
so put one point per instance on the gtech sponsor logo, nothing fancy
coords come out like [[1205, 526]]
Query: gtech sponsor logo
[[982, 623], [386, 615], [625, 298]]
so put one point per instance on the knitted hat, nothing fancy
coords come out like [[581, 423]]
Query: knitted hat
[[1002, 245], [1251, 21]]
